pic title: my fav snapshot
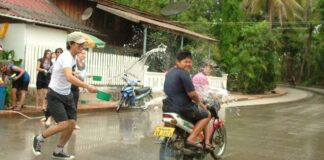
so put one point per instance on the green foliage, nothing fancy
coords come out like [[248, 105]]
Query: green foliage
[[256, 60], [248, 50]]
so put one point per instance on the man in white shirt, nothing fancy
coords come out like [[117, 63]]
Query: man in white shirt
[[60, 99]]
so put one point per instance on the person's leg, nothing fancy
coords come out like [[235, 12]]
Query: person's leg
[[76, 95], [202, 117], [38, 95], [14, 97], [44, 101], [57, 110], [208, 134], [22, 97], [66, 134], [199, 126]]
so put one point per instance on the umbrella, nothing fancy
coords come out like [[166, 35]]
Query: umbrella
[[93, 42]]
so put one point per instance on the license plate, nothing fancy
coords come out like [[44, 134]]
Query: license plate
[[163, 131]]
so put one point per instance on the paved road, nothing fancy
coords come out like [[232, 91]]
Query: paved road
[[292, 131], [275, 132]]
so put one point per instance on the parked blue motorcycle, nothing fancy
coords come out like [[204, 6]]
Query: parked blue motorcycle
[[133, 96]]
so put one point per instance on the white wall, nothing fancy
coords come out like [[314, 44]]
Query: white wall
[[45, 36], [15, 39], [19, 35]]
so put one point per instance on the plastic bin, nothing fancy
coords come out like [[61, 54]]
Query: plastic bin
[[96, 78], [103, 96], [3, 92]]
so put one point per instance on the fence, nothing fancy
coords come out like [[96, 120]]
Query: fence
[[102, 64], [108, 66], [156, 80]]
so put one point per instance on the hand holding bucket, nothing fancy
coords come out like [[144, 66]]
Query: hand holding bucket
[[12, 77]]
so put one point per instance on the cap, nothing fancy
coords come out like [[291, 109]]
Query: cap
[[76, 37]]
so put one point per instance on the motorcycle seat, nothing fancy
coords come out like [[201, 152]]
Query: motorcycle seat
[[179, 117], [142, 90]]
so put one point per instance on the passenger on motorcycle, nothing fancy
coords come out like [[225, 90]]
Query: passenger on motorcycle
[[200, 81], [183, 99]]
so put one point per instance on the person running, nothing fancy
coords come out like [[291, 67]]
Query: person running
[[43, 78], [20, 81], [79, 70], [60, 99]]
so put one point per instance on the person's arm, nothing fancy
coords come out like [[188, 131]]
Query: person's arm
[[21, 72], [75, 81], [190, 89], [3, 79], [38, 68]]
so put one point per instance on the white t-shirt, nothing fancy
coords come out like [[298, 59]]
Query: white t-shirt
[[58, 82]]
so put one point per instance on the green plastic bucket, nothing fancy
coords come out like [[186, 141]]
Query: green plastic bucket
[[96, 78], [83, 101], [103, 96]]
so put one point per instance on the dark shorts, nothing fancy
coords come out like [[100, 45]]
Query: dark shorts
[[61, 107], [194, 113], [20, 85], [191, 113], [42, 85]]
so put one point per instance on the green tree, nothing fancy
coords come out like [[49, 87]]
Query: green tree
[[281, 9], [311, 14], [256, 60]]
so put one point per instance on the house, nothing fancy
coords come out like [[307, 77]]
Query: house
[[116, 21], [36, 25]]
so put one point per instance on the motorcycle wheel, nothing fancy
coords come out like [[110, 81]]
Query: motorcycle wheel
[[219, 140], [121, 103], [167, 152]]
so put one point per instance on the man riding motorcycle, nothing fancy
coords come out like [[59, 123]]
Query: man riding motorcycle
[[183, 99]]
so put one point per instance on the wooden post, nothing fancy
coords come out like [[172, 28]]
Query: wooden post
[[209, 50], [144, 41], [181, 43]]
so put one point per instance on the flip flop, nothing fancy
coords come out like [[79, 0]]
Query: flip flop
[[209, 147], [17, 109], [195, 145]]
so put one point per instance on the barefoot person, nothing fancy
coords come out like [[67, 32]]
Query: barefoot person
[[43, 79], [20, 81], [60, 99]]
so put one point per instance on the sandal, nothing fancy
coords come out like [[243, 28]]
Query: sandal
[[195, 145], [17, 109], [209, 147]]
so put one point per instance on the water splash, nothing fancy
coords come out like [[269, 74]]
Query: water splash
[[160, 49]]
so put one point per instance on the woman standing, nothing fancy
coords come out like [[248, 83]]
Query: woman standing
[[43, 78], [80, 72]]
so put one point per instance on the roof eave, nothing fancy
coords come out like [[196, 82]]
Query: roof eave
[[135, 18], [46, 23]]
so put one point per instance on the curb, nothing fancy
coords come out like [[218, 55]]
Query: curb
[[309, 96], [262, 96], [311, 89]]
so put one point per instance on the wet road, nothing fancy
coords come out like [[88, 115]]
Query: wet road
[[292, 131]]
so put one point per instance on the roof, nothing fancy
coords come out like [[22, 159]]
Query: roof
[[137, 16], [41, 12]]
